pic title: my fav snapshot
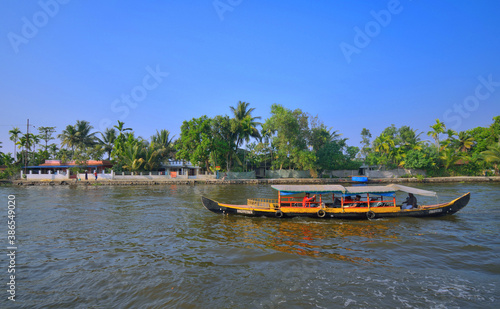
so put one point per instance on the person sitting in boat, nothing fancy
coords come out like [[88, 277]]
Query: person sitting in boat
[[306, 202], [410, 202], [357, 199], [336, 202], [347, 201]]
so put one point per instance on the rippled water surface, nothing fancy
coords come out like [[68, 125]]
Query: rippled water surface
[[157, 247]]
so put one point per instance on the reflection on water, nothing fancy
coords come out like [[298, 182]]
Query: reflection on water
[[308, 237]]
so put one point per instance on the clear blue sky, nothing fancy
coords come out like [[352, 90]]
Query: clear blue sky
[[355, 64]]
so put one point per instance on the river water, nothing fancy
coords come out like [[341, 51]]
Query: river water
[[157, 247]]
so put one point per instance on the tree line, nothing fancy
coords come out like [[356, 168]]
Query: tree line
[[288, 139], [452, 153]]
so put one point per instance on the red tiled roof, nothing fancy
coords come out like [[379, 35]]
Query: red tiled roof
[[56, 163]]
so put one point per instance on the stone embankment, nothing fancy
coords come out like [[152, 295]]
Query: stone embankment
[[248, 181]]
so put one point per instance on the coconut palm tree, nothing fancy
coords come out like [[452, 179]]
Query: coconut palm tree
[[492, 155], [107, 141], [25, 143], [121, 129], [14, 136], [84, 137], [465, 141], [162, 142], [450, 156], [384, 145], [245, 126], [437, 128], [69, 138], [151, 157], [409, 139], [132, 156]]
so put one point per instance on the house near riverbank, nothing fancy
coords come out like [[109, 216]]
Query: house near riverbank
[[176, 168], [56, 169]]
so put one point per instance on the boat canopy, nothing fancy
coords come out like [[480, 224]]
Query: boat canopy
[[378, 190], [314, 189], [412, 190], [389, 190]]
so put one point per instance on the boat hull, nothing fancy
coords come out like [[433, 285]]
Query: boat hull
[[357, 213]]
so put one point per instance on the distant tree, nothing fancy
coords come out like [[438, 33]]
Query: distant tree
[[46, 135], [289, 132], [437, 128], [107, 140], [222, 142], [84, 137], [384, 145], [151, 156], [465, 141], [426, 158], [131, 156], [195, 141], [121, 129], [14, 136], [492, 155], [69, 138], [244, 124], [365, 142], [163, 143], [450, 156], [408, 138]]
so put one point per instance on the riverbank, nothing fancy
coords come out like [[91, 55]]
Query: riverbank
[[104, 182]]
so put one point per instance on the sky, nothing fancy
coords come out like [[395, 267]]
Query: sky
[[154, 64]]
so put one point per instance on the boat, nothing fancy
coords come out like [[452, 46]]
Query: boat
[[359, 178], [335, 201]]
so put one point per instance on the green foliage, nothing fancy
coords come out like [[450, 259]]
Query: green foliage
[[195, 141], [492, 155], [426, 159], [289, 139]]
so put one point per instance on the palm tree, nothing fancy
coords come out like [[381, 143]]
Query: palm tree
[[492, 155], [14, 136], [53, 150], [36, 140], [409, 139], [121, 129], [25, 142], [162, 142], [384, 145], [151, 155], [437, 128], [84, 137], [107, 140], [465, 141], [132, 157], [69, 138], [450, 156], [245, 124]]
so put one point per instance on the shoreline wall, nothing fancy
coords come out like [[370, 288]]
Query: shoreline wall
[[103, 182]]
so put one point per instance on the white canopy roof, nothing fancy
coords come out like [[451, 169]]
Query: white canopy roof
[[323, 189]]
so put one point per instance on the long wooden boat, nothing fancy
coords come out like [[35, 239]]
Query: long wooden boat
[[334, 201]]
